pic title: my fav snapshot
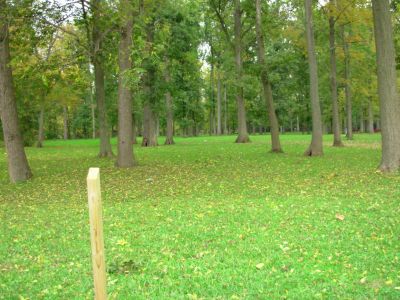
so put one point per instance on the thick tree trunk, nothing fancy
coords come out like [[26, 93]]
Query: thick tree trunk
[[65, 122], [266, 84], [219, 104], [337, 140], [315, 148], [370, 116], [41, 128], [18, 167], [347, 87], [387, 86], [105, 145], [149, 127], [243, 135], [169, 140], [125, 158]]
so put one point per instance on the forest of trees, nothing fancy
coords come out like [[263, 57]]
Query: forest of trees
[[128, 68]]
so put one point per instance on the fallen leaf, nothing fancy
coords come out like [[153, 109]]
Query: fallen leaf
[[339, 217], [260, 266]]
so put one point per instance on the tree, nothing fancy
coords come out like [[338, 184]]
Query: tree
[[337, 140], [266, 84], [387, 86], [315, 148], [125, 157], [18, 167]]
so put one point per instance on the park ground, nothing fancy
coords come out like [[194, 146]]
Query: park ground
[[206, 219]]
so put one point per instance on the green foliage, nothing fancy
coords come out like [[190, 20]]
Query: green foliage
[[206, 217]]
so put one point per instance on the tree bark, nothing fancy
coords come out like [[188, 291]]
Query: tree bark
[[125, 158], [243, 135], [315, 148], [149, 127], [370, 116], [169, 111], [41, 128], [225, 111], [18, 167], [337, 140], [105, 145], [387, 87], [219, 106], [362, 121], [65, 122], [347, 87], [266, 84]]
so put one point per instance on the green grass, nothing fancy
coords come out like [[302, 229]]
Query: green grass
[[194, 219]]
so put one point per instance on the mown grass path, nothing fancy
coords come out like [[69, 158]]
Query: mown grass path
[[206, 218]]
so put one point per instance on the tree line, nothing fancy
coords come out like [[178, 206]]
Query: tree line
[[131, 68]]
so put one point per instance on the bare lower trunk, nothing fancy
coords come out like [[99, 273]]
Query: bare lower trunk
[[315, 148], [149, 127], [225, 111], [387, 87], [370, 117], [65, 122], [105, 145], [134, 131], [273, 120], [349, 109], [125, 158], [41, 128], [170, 112], [362, 121], [18, 167], [243, 135], [337, 140], [219, 106]]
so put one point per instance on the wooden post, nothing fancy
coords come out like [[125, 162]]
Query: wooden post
[[96, 234]]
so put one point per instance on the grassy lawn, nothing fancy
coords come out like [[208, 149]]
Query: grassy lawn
[[206, 219]]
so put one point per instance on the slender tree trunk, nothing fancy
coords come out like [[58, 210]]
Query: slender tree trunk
[[243, 135], [315, 148], [134, 130], [347, 87], [225, 111], [212, 100], [93, 107], [18, 167], [370, 116], [65, 122], [266, 84], [169, 140], [387, 86], [41, 128], [219, 104], [337, 140], [125, 158], [297, 124], [105, 145], [362, 120]]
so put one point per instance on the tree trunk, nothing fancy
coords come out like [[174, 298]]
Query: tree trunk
[[347, 86], [65, 122], [362, 121], [387, 87], [149, 127], [315, 148], [18, 167], [125, 158], [134, 130], [225, 111], [243, 135], [266, 84], [219, 104], [170, 111], [41, 128], [370, 116], [105, 145], [337, 140]]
